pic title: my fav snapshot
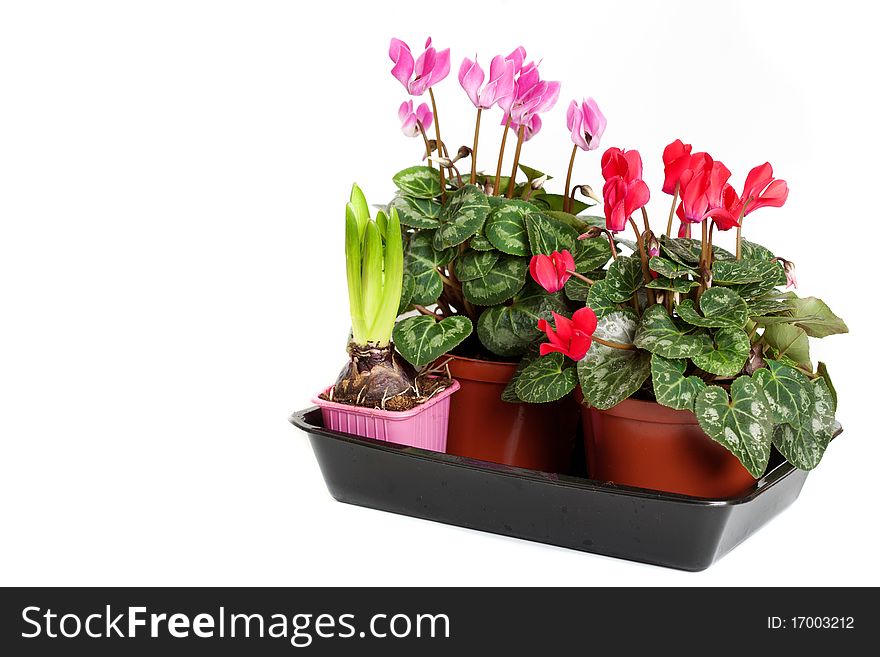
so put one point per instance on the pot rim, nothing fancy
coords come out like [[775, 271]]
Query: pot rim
[[649, 412], [475, 369], [384, 414]]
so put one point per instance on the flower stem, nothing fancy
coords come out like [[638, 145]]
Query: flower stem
[[672, 210], [645, 219], [476, 143], [702, 266], [439, 143], [643, 256], [579, 276], [614, 345], [567, 199], [519, 142], [427, 145], [495, 190]]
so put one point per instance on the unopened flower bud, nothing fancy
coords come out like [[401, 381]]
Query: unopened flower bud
[[652, 244], [464, 151], [538, 183], [592, 231], [587, 191]]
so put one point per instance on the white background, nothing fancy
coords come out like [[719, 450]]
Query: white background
[[172, 183]]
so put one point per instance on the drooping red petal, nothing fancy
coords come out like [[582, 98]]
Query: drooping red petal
[[584, 320], [580, 345], [544, 273], [774, 196], [563, 327], [637, 196], [759, 177]]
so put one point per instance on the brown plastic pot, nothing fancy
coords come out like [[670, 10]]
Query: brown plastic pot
[[644, 444], [482, 426]]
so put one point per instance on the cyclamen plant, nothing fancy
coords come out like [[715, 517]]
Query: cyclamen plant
[[672, 319], [469, 238]]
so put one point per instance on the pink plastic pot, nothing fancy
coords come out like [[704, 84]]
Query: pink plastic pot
[[424, 426]]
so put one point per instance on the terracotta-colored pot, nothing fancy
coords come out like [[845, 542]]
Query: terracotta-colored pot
[[482, 426], [643, 444]]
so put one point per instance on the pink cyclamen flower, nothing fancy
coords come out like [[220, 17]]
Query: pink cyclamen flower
[[533, 126], [586, 124], [552, 271], [409, 119], [537, 99], [517, 58], [497, 90], [420, 75], [572, 337]]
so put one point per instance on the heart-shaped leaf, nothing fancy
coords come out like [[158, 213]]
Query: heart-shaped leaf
[[670, 268], [720, 307], [417, 212], [681, 285], [599, 299], [418, 182], [735, 272], [479, 243], [671, 387], [729, 355], [475, 264], [741, 422], [547, 235], [506, 226], [421, 262], [764, 307], [503, 281], [624, 278], [608, 375], [789, 393], [804, 447], [546, 379], [508, 330], [422, 339], [462, 217], [659, 334], [577, 290]]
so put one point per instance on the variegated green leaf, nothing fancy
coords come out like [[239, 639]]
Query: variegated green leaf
[[681, 285], [758, 289], [659, 334], [599, 299], [822, 370], [421, 262], [506, 226], [590, 254], [462, 217], [741, 422], [670, 268], [422, 339], [507, 330], [789, 393], [753, 251], [729, 355], [577, 290], [720, 306], [546, 379], [547, 235], [503, 281], [475, 264], [624, 278], [479, 243], [418, 182], [417, 212], [671, 387], [407, 287], [736, 272], [764, 307], [608, 375], [804, 446], [509, 393]]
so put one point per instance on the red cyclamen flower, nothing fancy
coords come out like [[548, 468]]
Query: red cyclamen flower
[[420, 75], [763, 190], [551, 272], [572, 337], [703, 187], [676, 158], [624, 191]]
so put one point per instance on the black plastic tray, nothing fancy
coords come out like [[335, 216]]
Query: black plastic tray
[[620, 521]]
